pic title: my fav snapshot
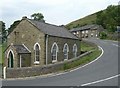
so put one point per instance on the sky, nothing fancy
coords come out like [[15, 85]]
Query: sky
[[58, 12]]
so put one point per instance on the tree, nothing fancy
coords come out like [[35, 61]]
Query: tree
[[13, 26], [38, 17], [103, 35], [109, 18], [118, 14], [2, 27]]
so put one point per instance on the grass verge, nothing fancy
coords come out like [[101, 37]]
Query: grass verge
[[85, 46], [83, 60]]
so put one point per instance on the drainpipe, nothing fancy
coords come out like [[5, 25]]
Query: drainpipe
[[46, 49], [20, 62]]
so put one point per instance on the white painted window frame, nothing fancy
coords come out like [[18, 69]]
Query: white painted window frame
[[35, 61], [67, 50], [75, 53], [56, 51], [8, 57]]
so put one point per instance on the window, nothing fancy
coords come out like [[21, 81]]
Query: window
[[86, 31], [91, 34], [37, 53], [66, 50], [74, 33], [75, 50], [83, 32], [54, 51], [77, 32], [10, 57]]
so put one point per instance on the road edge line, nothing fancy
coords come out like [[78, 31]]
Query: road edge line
[[91, 61], [102, 80]]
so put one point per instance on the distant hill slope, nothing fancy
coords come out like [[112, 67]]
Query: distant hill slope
[[108, 18], [90, 19]]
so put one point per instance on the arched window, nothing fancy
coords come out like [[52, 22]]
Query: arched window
[[54, 51], [37, 53], [10, 58], [65, 51], [75, 50]]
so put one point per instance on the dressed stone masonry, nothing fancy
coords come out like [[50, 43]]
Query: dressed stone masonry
[[35, 43], [87, 31]]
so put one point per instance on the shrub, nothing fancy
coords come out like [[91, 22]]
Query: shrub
[[103, 35]]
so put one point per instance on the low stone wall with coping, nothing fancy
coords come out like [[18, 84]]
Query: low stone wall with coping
[[37, 71]]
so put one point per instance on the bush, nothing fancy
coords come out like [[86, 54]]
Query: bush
[[103, 35]]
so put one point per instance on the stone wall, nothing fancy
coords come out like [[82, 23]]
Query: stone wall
[[60, 42], [37, 71], [27, 34]]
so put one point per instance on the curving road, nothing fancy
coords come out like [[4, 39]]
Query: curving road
[[102, 72]]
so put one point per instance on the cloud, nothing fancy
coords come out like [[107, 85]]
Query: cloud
[[55, 11]]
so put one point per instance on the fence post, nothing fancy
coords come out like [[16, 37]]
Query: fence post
[[4, 72]]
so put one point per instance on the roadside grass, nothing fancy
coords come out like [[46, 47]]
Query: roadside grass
[[83, 60], [87, 46]]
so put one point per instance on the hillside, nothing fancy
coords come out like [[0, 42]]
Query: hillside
[[108, 18], [90, 19]]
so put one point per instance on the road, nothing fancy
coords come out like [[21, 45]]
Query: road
[[102, 72]]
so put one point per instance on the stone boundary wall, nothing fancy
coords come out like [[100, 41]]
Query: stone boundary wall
[[36, 71]]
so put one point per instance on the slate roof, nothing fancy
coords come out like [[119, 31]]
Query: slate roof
[[52, 30], [21, 49], [87, 27]]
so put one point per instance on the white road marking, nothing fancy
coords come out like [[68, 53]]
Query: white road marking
[[116, 45], [91, 61], [102, 80]]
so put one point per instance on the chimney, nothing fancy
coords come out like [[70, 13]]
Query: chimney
[[24, 17]]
